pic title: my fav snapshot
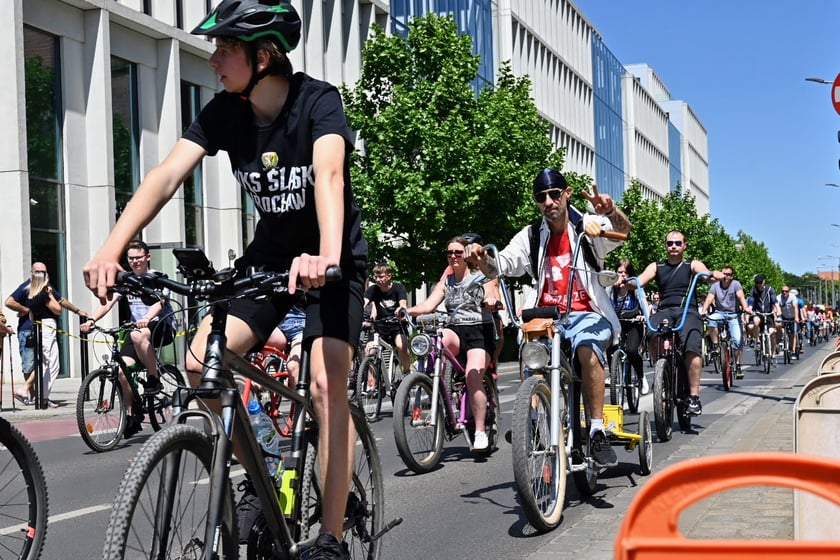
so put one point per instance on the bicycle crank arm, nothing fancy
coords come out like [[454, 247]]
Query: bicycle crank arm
[[391, 524]]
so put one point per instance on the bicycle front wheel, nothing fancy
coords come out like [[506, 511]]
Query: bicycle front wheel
[[419, 443], [160, 404], [663, 400], [23, 496], [726, 369], [369, 387], [538, 469], [100, 410], [365, 512], [161, 506], [616, 379]]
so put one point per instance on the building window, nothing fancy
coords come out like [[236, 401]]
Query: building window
[[42, 70], [194, 184], [126, 130]]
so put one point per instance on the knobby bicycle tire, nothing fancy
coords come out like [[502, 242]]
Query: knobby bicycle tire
[[182, 455], [365, 512], [663, 400], [100, 410], [538, 469], [23, 495], [369, 398], [418, 442], [493, 419], [159, 405], [682, 395]]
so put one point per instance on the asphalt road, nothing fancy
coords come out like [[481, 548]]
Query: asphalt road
[[467, 508]]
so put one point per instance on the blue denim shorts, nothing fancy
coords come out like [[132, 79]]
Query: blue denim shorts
[[293, 323], [586, 328], [27, 354]]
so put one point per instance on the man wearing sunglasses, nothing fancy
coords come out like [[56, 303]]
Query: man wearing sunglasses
[[726, 296], [789, 318], [544, 250], [673, 277]]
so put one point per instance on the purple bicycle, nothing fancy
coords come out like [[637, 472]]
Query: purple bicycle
[[432, 401]]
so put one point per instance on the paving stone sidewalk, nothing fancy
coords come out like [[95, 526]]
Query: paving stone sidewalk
[[762, 420]]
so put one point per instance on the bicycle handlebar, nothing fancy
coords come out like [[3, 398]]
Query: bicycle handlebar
[[256, 284], [640, 295]]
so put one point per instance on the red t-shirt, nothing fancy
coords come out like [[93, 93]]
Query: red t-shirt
[[556, 286]]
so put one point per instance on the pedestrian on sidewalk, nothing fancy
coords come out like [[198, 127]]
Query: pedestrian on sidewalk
[[17, 302]]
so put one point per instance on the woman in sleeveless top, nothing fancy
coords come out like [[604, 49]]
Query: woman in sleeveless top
[[470, 331]]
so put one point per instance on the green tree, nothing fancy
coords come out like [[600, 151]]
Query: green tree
[[437, 159]]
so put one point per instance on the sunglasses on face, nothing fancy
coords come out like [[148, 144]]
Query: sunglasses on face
[[674, 243], [785, 291], [555, 195], [451, 253], [140, 258], [727, 274]]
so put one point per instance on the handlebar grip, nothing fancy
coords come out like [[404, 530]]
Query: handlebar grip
[[614, 235], [333, 274]]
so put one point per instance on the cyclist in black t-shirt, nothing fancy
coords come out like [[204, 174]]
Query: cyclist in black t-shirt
[[387, 297], [288, 143]]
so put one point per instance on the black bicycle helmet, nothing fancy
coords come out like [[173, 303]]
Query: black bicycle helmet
[[247, 20]]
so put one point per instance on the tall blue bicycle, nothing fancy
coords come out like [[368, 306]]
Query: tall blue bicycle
[[670, 377]]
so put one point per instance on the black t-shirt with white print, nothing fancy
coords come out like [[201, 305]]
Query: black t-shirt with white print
[[273, 164]]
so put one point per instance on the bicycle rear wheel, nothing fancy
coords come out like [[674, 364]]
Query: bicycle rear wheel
[[159, 405], [365, 512], [100, 410], [369, 389], [538, 469], [663, 400], [419, 443], [23, 496], [161, 506]]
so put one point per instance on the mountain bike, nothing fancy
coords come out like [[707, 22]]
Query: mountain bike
[[549, 427], [101, 413], [379, 373], [624, 384], [670, 377], [176, 499], [432, 403], [724, 355], [764, 347], [23, 496]]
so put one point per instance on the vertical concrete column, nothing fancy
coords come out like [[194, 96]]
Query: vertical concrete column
[[222, 207], [160, 119], [14, 180]]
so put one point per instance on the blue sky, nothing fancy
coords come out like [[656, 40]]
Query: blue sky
[[773, 144]]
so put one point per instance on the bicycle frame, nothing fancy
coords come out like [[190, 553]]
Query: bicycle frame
[[438, 356], [117, 360], [387, 355]]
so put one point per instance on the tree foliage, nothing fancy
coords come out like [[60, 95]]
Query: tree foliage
[[706, 239], [438, 159]]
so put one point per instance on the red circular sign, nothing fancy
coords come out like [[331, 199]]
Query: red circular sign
[[835, 94]]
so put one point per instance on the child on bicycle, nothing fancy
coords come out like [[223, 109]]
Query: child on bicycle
[[289, 145]]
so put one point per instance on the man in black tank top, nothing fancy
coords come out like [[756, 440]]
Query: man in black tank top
[[673, 277]]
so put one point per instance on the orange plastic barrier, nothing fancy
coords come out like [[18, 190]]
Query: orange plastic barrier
[[650, 530]]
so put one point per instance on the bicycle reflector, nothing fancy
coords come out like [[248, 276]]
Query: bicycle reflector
[[535, 355], [421, 345]]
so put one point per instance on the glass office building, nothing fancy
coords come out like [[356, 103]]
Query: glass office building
[[609, 134], [473, 18]]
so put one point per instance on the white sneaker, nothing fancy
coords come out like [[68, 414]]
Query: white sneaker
[[645, 385], [481, 443]]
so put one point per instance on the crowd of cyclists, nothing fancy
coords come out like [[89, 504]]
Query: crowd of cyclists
[[288, 142]]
